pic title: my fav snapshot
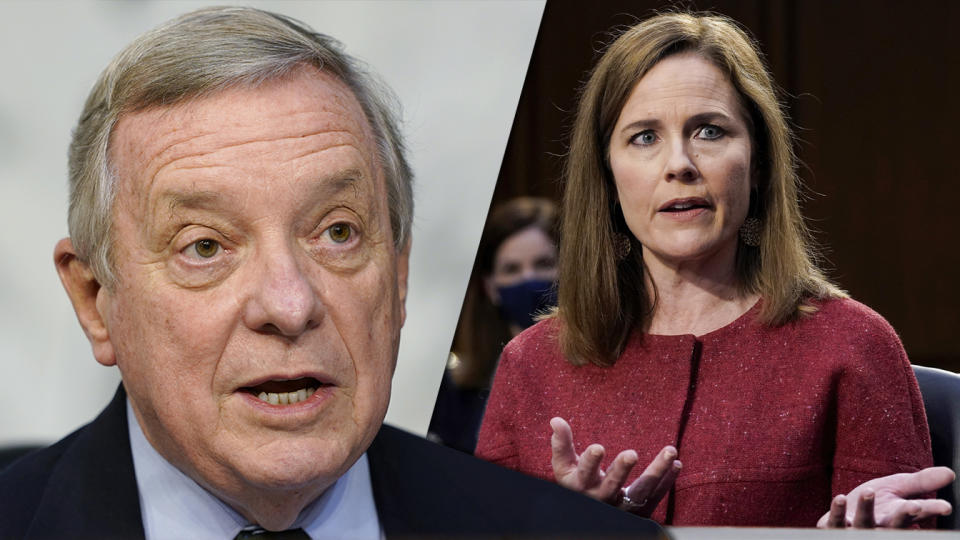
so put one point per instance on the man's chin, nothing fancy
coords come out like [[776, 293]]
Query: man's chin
[[295, 466], [271, 484]]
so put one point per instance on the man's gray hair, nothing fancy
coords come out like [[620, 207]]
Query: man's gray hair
[[196, 55]]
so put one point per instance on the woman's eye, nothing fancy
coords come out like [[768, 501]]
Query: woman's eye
[[340, 232], [644, 138], [545, 264], [206, 248], [710, 132], [509, 269]]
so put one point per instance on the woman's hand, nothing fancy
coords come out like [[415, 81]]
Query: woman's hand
[[885, 501], [583, 473]]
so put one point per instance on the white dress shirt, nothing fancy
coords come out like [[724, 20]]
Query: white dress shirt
[[173, 506]]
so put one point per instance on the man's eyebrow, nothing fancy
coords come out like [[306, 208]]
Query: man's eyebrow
[[341, 181], [190, 200], [177, 200]]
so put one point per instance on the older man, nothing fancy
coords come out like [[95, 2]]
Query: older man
[[239, 215]]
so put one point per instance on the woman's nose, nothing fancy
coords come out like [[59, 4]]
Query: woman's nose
[[680, 164]]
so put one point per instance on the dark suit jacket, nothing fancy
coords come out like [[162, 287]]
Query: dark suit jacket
[[84, 487]]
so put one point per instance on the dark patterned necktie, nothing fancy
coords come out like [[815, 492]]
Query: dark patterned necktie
[[252, 532]]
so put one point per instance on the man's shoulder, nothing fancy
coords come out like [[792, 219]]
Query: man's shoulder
[[424, 488], [81, 486], [23, 483]]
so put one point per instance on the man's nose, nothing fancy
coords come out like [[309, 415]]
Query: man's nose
[[680, 164], [284, 301]]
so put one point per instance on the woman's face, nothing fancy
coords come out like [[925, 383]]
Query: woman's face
[[528, 254], [521, 284], [680, 156]]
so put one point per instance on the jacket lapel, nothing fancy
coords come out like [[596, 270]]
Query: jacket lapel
[[92, 492], [387, 480]]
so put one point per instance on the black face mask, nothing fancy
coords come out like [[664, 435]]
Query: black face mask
[[521, 302]]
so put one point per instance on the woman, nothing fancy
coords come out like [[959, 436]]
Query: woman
[[692, 319], [513, 280]]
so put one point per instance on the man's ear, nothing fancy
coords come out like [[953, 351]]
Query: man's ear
[[403, 269], [84, 290]]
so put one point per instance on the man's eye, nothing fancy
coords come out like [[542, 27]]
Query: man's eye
[[206, 248], [710, 132], [644, 138], [339, 232]]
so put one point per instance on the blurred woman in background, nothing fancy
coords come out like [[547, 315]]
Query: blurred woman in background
[[513, 280]]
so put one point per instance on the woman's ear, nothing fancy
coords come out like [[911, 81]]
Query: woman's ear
[[491, 290], [87, 297]]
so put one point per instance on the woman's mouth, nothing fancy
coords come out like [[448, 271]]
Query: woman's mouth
[[685, 205]]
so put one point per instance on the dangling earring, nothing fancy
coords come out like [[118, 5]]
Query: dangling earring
[[750, 232], [751, 227], [621, 246]]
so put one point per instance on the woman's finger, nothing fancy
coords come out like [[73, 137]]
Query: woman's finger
[[863, 518], [903, 516], [610, 488], [643, 488], [588, 468], [916, 483], [837, 518], [666, 482], [931, 479], [564, 455], [933, 507], [914, 510]]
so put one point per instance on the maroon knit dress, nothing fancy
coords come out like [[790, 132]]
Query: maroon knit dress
[[770, 423]]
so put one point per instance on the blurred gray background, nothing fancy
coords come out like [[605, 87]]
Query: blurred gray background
[[457, 67]]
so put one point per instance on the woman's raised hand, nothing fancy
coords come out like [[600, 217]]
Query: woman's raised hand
[[886, 502], [583, 473]]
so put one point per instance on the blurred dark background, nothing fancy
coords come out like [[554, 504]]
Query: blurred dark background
[[872, 90]]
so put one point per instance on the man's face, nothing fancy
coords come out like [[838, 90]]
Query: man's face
[[254, 258]]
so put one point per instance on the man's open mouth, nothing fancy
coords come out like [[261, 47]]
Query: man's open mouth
[[285, 392]]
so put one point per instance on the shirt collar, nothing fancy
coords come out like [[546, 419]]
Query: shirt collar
[[172, 505]]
